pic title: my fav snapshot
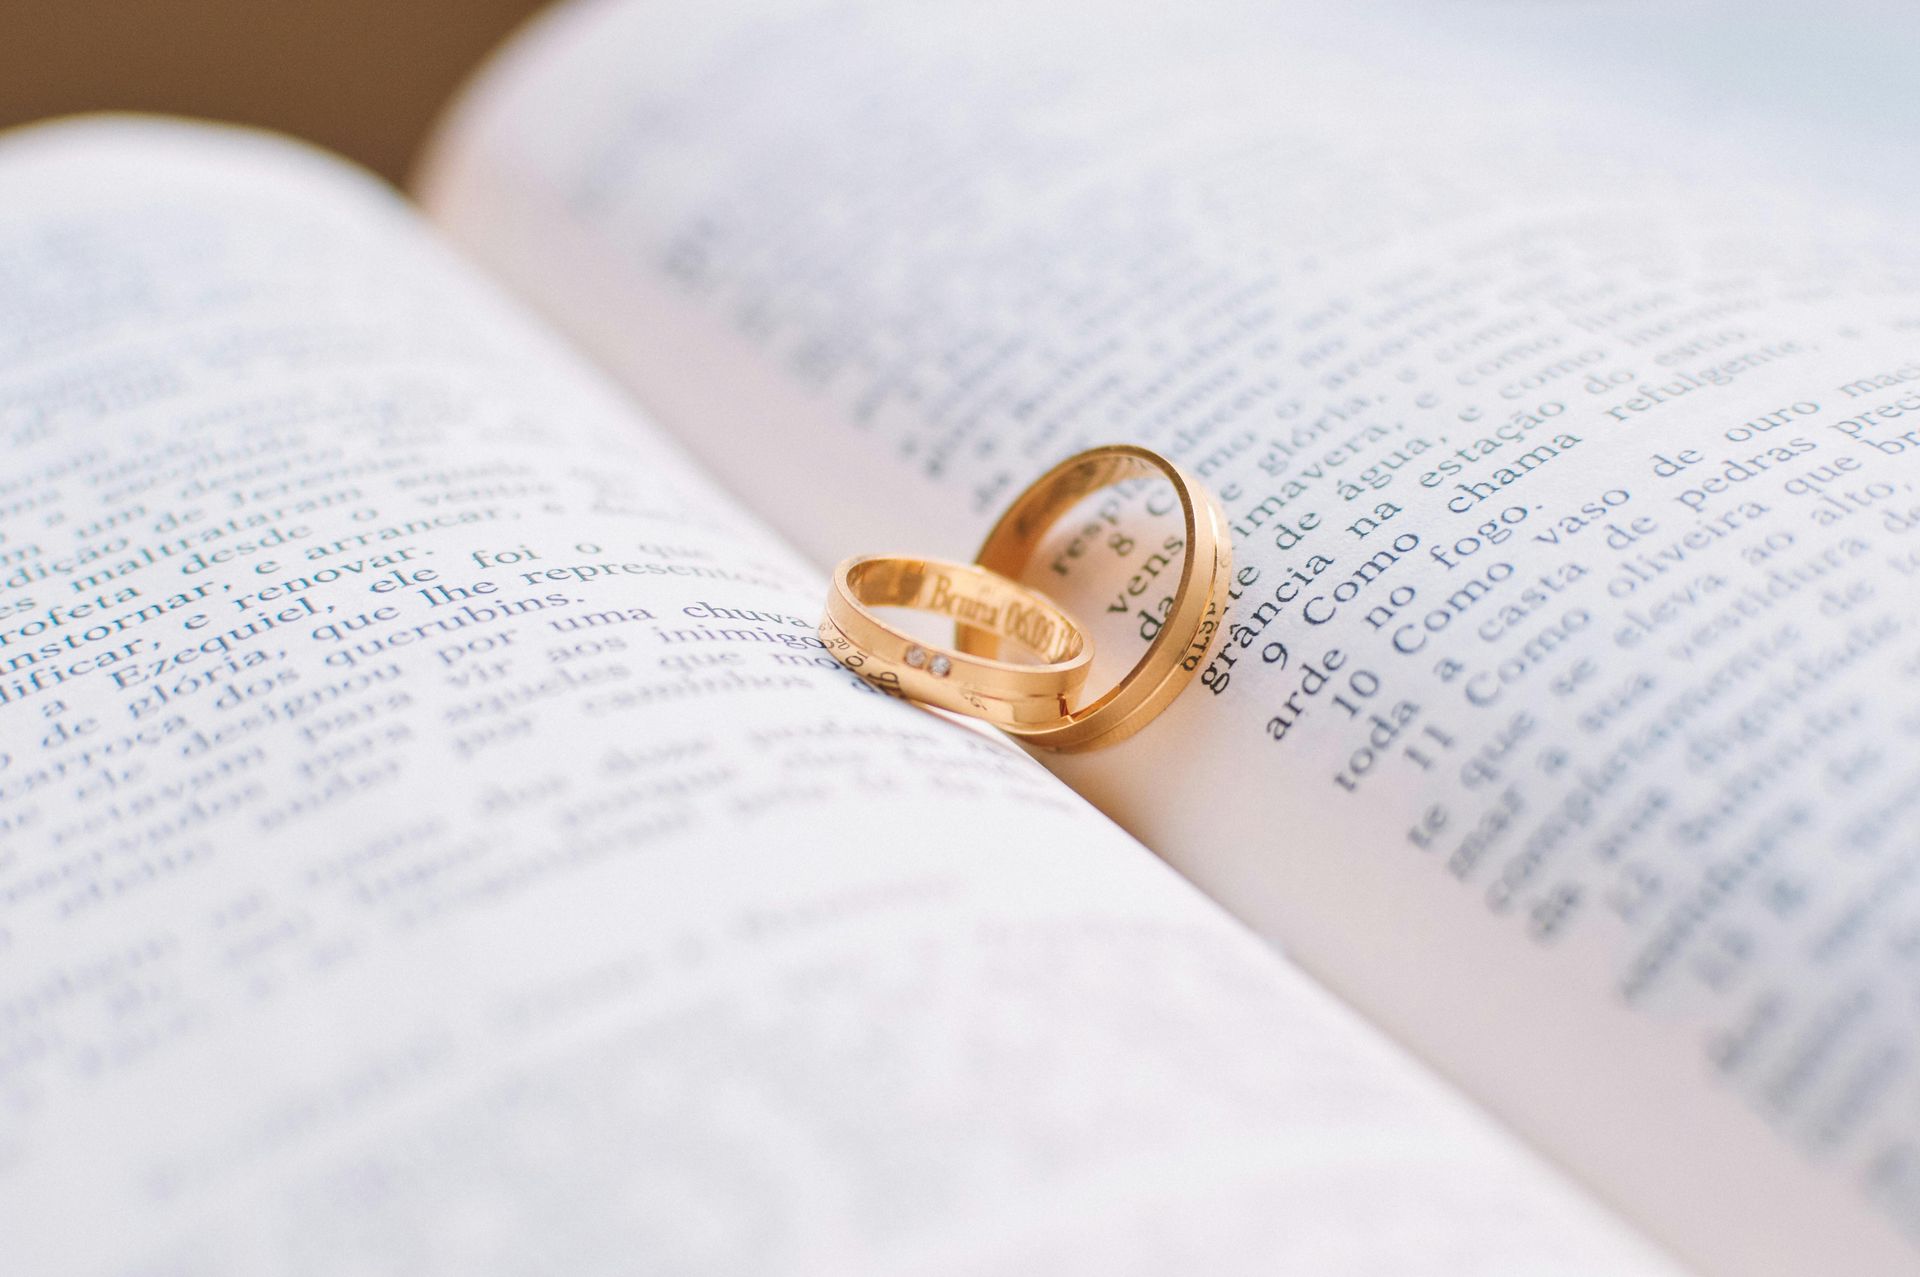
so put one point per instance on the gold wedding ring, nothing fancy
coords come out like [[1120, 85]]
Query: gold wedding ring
[[1006, 694], [1180, 647]]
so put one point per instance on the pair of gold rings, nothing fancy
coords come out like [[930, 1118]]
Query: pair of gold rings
[[1038, 703]]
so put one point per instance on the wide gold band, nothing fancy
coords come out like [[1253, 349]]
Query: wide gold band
[[1006, 694], [1180, 647]]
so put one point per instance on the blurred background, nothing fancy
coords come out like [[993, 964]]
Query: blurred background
[[1828, 81], [362, 77]]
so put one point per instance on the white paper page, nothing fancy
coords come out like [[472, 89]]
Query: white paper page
[[431, 840], [1568, 727]]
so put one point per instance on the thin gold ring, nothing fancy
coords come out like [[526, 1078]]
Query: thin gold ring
[[1004, 693], [1180, 647]]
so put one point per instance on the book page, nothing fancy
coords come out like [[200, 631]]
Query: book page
[[1565, 717], [432, 838]]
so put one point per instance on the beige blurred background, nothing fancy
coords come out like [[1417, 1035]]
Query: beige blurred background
[[362, 77], [366, 78]]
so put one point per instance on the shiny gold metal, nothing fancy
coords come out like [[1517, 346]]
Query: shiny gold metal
[[1199, 599], [1004, 693]]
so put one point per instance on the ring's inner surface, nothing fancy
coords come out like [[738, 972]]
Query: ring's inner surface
[[970, 596], [1107, 535], [1046, 504]]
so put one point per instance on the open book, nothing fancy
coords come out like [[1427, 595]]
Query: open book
[[432, 837]]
